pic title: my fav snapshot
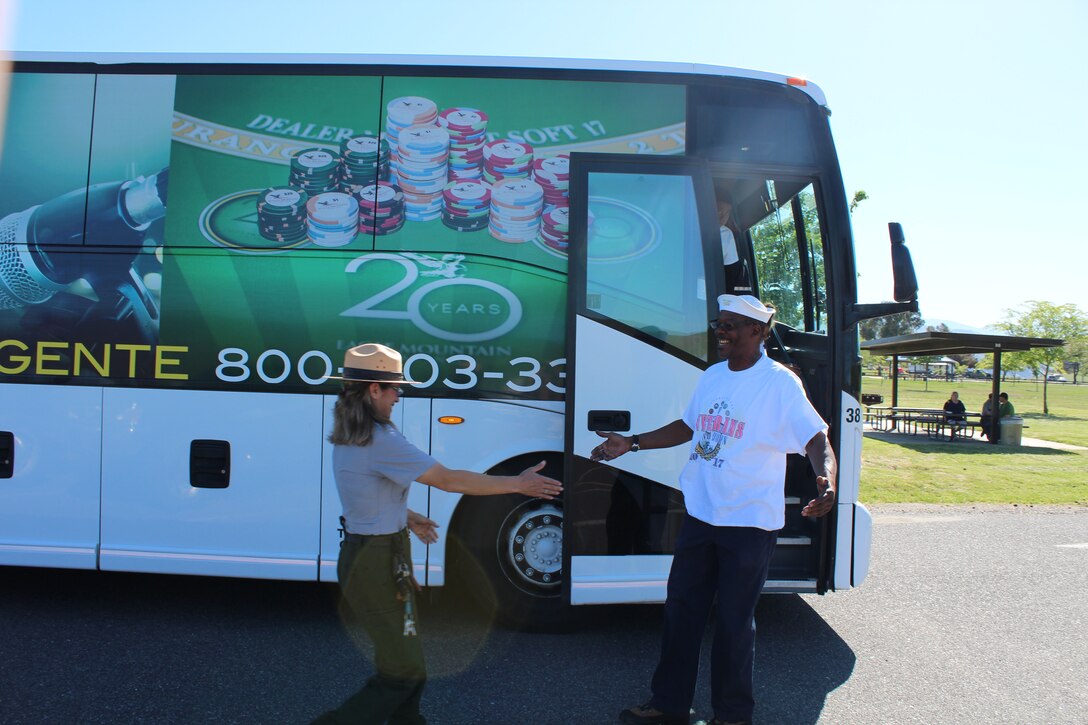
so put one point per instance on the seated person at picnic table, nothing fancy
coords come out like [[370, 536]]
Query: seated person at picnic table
[[987, 415], [1004, 408], [955, 414]]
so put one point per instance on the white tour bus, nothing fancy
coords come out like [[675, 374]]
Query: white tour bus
[[188, 244]]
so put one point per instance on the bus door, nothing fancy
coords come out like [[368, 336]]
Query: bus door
[[645, 272]]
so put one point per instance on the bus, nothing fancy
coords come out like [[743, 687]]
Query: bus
[[189, 243]]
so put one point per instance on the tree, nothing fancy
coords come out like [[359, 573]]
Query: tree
[[1045, 319], [859, 196], [778, 262], [901, 323], [964, 359], [1076, 358]]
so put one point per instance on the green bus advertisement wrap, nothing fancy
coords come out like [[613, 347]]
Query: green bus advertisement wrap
[[241, 232]]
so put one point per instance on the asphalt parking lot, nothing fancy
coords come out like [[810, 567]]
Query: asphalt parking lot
[[969, 615]]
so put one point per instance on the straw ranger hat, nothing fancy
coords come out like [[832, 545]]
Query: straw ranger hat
[[373, 363]]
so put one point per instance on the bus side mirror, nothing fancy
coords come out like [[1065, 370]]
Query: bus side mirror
[[906, 282]]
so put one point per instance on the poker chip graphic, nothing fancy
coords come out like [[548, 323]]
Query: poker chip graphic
[[467, 128], [281, 214], [553, 175], [507, 159], [421, 170], [516, 205], [314, 171], [427, 164], [466, 205], [402, 113], [555, 228], [234, 221], [381, 208], [332, 219], [364, 160]]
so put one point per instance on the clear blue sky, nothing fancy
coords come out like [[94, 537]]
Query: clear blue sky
[[964, 120]]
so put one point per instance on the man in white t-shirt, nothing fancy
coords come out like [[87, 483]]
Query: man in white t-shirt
[[729, 242], [747, 413]]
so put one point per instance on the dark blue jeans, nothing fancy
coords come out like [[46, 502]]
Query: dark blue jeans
[[732, 563]]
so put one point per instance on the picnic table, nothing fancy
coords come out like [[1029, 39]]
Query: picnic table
[[931, 421]]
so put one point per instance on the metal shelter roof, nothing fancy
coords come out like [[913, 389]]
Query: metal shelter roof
[[954, 343]]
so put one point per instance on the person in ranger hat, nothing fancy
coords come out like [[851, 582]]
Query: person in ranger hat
[[374, 465], [746, 414]]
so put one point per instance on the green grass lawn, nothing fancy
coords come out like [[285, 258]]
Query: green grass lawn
[[924, 471]]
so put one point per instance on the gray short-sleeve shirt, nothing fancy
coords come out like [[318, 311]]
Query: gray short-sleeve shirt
[[373, 480]]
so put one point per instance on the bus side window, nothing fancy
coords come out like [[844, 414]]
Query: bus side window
[[789, 260]]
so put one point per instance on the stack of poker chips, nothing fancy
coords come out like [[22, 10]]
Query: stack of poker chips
[[506, 159], [468, 133], [516, 205], [281, 214], [363, 161], [315, 171], [421, 169], [555, 228], [401, 113], [467, 205], [332, 219], [381, 208], [554, 175]]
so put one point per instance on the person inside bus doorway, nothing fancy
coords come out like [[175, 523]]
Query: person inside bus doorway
[[374, 465], [746, 414], [737, 279], [729, 242]]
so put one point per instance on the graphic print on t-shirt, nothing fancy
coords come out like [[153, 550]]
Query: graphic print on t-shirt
[[714, 429]]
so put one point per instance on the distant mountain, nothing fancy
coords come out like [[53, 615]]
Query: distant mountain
[[954, 326]]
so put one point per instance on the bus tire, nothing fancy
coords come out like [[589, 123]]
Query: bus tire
[[511, 557]]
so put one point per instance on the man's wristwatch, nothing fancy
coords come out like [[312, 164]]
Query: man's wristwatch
[[634, 443]]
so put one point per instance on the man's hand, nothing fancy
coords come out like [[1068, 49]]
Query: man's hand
[[823, 503], [613, 446], [425, 529], [826, 468]]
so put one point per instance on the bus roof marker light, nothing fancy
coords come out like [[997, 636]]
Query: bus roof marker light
[[451, 419], [792, 81]]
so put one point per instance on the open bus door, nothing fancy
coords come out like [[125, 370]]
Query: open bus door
[[645, 271]]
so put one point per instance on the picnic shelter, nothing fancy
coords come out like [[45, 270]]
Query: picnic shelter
[[954, 343]]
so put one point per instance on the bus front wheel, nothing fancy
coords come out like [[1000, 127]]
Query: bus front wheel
[[515, 544]]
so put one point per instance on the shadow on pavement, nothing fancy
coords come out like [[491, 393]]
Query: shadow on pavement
[[176, 649], [800, 660]]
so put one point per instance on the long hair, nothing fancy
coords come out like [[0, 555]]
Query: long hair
[[354, 416]]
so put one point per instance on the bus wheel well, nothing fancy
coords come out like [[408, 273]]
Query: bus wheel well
[[506, 550]]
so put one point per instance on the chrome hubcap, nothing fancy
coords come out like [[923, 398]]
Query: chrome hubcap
[[534, 547]]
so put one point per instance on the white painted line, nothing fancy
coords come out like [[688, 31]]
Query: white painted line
[[1072, 546]]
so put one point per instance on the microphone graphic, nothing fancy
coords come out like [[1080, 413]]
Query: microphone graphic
[[115, 216]]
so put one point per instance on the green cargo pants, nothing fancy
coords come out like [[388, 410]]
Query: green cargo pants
[[392, 694]]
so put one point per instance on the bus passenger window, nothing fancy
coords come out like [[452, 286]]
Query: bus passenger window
[[789, 258]]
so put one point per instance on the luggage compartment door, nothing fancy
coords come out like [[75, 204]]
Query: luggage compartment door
[[211, 483], [50, 453]]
